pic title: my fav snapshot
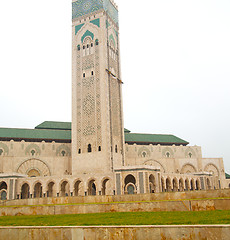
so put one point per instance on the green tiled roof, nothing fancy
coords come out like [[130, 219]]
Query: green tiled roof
[[61, 131], [154, 139], [36, 134], [227, 176], [127, 131], [54, 125]]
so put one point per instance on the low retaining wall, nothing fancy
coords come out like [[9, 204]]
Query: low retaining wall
[[156, 206], [223, 193], [117, 233]]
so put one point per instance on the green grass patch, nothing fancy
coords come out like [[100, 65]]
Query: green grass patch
[[126, 218]]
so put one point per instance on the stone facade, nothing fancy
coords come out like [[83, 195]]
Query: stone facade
[[95, 156]]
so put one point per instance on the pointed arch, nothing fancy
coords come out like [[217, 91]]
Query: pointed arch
[[156, 164], [87, 34], [212, 168], [92, 187], [188, 168], [111, 39]]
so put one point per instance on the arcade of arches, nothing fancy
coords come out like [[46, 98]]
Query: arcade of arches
[[34, 188]]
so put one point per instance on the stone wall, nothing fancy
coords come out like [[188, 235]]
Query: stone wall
[[117, 232], [221, 193], [154, 206]]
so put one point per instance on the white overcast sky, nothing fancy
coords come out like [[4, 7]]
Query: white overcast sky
[[175, 62]]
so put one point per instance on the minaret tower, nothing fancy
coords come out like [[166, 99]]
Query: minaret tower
[[97, 115]]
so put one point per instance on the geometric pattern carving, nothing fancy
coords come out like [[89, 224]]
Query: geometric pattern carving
[[33, 149], [188, 168], [167, 152], [63, 150], [211, 168], [4, 149], [144, 152], [156, 164], [34, 164], [190, 153]]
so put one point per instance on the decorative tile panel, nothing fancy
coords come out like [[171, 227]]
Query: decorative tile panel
[[78, 27], [96, 22], [83, 7]]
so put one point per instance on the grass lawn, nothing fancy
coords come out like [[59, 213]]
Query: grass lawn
[[127, 218]]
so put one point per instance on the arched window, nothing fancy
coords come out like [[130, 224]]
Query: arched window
[[79, 151], [167, 154], [63, 153], [190, 155], [144, 154], [116, 148], [99, 148], [89, 148], [33, 152], [96, 42]]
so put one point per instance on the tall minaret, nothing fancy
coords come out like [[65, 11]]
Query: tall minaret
[[97, 117]]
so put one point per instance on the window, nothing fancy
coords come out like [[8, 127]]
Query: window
[[78, 47], [89, 148], [99, 148], [92, 73], [83, 47], [144, 154], [1, 152], [83, 75], [87, 45], [97, 42], [116, 148], [32, 152], [91, 44], [63, 153], [167, 155], [79, 151], [190, 155]]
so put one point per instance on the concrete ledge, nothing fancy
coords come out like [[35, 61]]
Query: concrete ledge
[[171, 232]]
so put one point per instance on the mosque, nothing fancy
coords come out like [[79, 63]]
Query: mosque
[[95, 154]]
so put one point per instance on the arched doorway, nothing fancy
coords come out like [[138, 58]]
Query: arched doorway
[[175, 185], [130, 187], [3, 195], [187, 185], [77, 188], [38, 190], [152, 184], [197, 184], [208, 184], [162, 184], [92, 189], [181, 185], [25, 191], [192, 185], [65, 189], [168, 185], [50, 192], [104, 190]]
